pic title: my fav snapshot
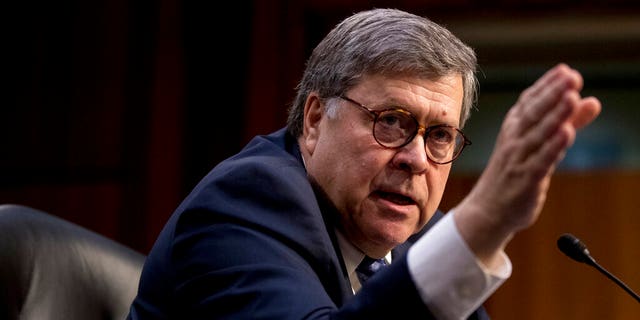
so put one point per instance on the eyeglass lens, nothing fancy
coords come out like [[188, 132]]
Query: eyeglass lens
[[394, 128]]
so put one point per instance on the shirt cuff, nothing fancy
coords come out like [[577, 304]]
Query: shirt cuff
[[451, 281]]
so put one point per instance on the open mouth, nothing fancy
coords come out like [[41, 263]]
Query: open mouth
[[395, 198]]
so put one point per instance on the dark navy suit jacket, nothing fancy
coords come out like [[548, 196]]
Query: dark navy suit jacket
[[252, 241]]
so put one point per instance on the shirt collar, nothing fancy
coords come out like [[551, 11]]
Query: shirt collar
[[352, 257]]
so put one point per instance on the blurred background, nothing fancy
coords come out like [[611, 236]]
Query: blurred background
[[115, 109]]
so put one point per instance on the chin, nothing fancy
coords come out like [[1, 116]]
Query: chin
[[394, 236]]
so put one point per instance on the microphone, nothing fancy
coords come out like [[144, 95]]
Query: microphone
[[576, 250]]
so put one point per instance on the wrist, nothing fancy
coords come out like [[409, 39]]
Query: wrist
[[486, 236]]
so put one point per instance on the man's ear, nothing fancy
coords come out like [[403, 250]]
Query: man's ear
[[313, 114]]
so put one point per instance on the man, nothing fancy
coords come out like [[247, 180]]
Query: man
[[278, 230]]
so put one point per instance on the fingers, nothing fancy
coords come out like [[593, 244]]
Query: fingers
[[544, 94], [534, 138], [551, 76], [551, 130], [588, 109], [535, 135]]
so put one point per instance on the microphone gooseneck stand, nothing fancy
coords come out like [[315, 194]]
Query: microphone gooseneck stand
[[576, 250]]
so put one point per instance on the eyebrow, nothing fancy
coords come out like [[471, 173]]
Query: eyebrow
[[393, 103]]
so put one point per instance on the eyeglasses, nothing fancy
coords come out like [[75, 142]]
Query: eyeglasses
[[396, 127]]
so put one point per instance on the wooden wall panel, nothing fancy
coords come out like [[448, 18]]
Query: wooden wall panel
[[600, 208]]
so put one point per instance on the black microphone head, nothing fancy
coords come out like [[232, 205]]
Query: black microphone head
[[574, 248]]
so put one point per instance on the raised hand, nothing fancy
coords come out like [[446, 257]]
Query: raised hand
[[533, 139]]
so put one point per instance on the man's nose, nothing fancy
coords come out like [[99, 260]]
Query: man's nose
[[413, 156]]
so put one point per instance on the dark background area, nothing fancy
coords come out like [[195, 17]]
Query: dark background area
[[113, 110]]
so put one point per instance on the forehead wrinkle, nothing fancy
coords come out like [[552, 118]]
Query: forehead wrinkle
[[430, 107], [439, 96], [438, 90], [443, 100]]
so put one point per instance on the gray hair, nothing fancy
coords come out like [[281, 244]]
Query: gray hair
[[386, 42]]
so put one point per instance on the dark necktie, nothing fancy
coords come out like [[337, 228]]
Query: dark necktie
[[368, 267]]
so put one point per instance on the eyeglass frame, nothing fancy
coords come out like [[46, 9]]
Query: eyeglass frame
[[376, 115]]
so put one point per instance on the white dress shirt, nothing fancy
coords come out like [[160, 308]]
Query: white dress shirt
[[450, 280]]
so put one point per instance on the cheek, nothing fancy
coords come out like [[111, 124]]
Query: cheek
[[354, 158], [353, 179], [358, 171], [436, 182], [339, 165], [345, 162]]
